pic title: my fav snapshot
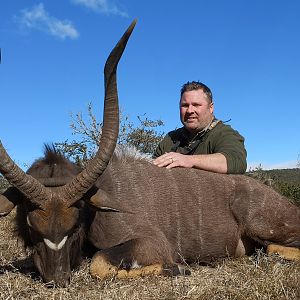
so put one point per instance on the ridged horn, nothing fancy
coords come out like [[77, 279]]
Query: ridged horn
[[25, 183], [74, 190]]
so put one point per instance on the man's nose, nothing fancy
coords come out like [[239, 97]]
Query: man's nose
[[190, 109]]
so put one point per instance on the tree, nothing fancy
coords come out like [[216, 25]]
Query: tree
[[145, 136]]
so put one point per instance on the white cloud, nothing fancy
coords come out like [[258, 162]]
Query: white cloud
[[267, 166], [38, 18], [103, 6]]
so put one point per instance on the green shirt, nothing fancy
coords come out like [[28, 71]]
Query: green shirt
[[220, 139]]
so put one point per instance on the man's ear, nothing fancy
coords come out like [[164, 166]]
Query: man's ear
[[211, 107]]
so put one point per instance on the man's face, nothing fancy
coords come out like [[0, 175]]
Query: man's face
[[196, 111]]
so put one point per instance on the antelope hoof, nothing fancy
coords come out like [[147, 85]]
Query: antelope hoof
[[151, 270], [101, 268]]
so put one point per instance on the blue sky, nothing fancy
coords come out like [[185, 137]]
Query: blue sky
[[247, 52]]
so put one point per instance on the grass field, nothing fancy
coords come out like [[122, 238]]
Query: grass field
[[255, 277]]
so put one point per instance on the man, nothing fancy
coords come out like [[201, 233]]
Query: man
[[203, 142]]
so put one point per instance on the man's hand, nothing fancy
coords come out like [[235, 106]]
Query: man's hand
[[173, 159], [215, 162]]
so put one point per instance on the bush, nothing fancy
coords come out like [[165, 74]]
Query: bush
[[145, 136], [289, 190]]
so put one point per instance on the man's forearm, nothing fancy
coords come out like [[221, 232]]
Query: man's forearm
[[210, 162], [215, 162]]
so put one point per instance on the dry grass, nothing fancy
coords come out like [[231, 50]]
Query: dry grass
[[256, 277]]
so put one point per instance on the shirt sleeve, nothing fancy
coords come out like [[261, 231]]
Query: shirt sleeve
[[164, 146], [231, 144]]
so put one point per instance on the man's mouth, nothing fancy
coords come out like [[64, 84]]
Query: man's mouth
[[190, 119]]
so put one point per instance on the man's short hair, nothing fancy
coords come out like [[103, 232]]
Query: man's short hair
[[197, 85]]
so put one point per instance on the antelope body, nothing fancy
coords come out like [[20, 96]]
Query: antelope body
[[185, 215], [142, 219]]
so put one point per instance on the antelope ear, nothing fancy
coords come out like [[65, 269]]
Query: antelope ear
[[8, 200], [104, 202]]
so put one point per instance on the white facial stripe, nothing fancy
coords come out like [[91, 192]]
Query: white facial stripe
[[28, 222], [54, 246], [62, 243]]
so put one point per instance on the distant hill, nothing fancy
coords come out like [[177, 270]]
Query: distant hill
[[285, 181], [285, 175]]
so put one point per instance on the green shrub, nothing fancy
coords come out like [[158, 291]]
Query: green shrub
[[290, 190], [277, 179], [144, 136]]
